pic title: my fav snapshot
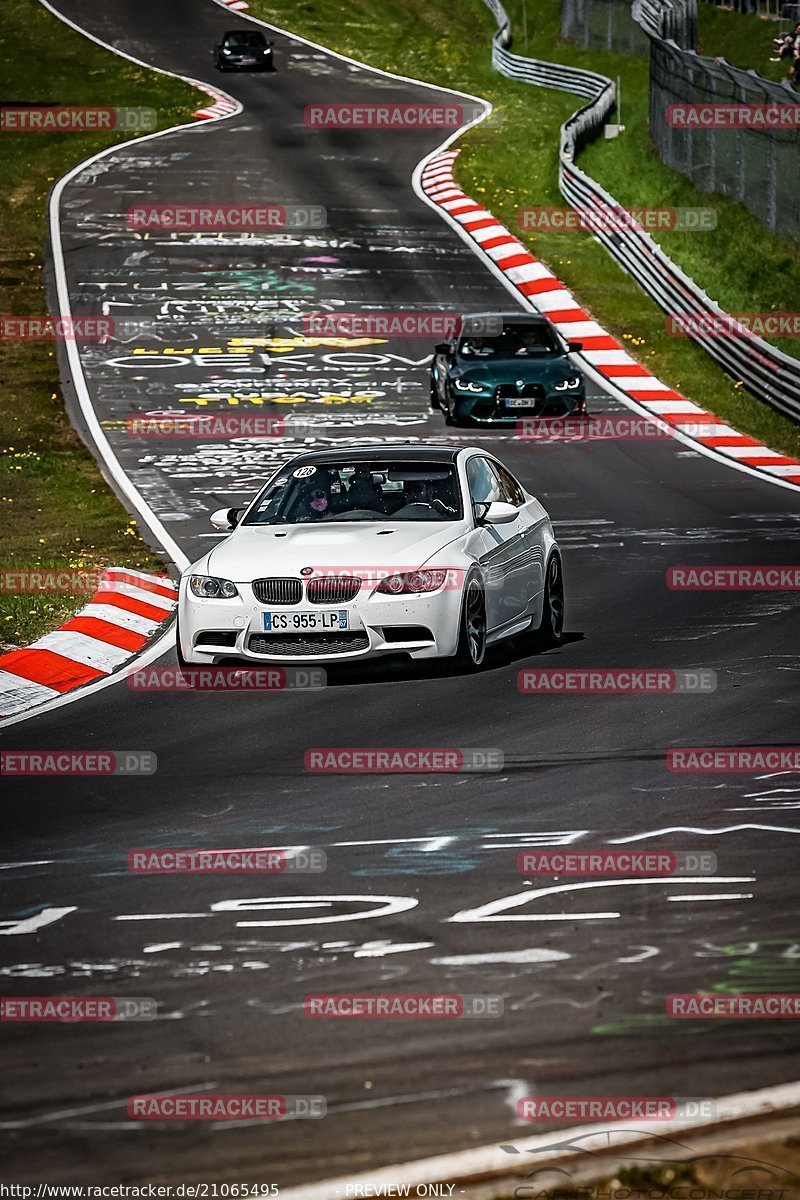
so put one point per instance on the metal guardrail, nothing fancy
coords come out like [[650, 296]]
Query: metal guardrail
[[768, 373]]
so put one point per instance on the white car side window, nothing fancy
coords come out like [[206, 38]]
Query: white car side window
[[484, 485]]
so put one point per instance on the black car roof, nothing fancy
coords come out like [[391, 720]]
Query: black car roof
[[236, 32], [401, 452], [517, 318]]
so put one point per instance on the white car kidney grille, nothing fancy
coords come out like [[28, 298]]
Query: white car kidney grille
[[332, 591], [278, 591]]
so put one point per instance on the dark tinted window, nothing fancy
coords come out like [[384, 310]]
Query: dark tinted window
[[484, 484], [515, 341], [342, 490], [245, 38], [511, 491]]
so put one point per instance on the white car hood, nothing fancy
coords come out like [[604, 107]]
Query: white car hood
[[255, 551]]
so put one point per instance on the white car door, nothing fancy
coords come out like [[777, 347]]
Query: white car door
[[500, 549]]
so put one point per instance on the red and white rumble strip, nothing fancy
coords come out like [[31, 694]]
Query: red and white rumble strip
[[224, 105], [547, 295], [128, 609]]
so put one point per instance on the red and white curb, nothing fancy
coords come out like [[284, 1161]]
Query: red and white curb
[[128, 609], [236, 5], [223, 106], [545, 293]]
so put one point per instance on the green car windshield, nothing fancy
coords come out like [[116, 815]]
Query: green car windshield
[[515, 341]]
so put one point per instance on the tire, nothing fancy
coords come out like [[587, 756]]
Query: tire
[[435, 405], [452, 418], [551, 629], [472, 628]]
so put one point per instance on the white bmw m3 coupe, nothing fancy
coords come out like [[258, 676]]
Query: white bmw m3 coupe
[[429, 551]]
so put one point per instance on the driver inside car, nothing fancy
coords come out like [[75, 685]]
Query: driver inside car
[[415, 491], [477, 347], [315, 506]]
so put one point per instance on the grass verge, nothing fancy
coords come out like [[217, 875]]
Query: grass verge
[[744, 40], [56, 511], [741, 265]]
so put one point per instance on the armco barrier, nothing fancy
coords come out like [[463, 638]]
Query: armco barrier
[[771, 375]]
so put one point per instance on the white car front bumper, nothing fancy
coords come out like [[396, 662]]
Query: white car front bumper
[[423, 625]]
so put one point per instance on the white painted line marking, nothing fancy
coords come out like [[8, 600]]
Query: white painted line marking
[[721, 896], [501, 956]]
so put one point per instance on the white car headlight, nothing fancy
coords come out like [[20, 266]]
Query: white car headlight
[[466, 385], [412, 582], [568, 385], [225, 50], [209, 587]]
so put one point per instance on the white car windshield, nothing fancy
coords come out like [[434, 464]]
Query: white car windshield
[[359, 491]]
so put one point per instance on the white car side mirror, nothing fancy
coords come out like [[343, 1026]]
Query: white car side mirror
[[221, 519], [500, 513]]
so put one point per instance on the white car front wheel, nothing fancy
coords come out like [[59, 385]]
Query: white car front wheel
[[472, 629]]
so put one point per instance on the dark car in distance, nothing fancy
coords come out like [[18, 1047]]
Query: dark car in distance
[[500, 367], [243, 50]]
